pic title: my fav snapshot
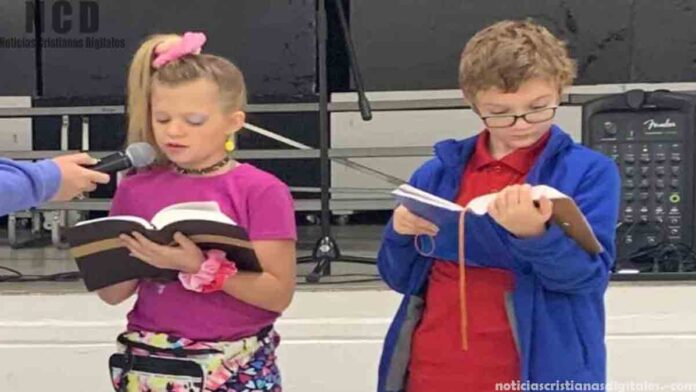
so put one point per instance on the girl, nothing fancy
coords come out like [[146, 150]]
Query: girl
[[189, 105]]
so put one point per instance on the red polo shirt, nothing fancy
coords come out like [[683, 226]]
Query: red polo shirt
[[438, 362]]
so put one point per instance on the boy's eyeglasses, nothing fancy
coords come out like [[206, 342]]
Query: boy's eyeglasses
[[508, 120]]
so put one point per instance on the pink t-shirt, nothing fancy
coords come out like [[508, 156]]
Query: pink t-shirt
[[255, 199]]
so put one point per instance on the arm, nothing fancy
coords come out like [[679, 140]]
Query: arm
[[485, 243], [396, 258], [114, 295], [273, 288], [25, 184], [273, 232], [557, 260], [397, 254]]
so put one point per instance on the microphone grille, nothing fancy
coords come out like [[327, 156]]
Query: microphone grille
[[141, 154]]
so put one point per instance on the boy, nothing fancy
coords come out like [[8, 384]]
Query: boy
[[534, 310]]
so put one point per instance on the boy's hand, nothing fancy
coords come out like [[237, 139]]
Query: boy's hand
[[408, 223], [514, 209], [186, 257]]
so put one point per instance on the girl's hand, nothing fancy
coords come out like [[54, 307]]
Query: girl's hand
[[186, 256]]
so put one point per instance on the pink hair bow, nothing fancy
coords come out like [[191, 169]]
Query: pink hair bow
[[190, 43]]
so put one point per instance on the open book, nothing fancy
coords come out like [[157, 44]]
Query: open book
[[441, 212], [103, 261]]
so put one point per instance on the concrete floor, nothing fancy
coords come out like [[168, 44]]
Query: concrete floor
[[70, 328], [56, 336]]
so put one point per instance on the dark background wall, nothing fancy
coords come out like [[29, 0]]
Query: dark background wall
[[17, 64], [664, 41], [273, 42], [401, 45], [404, 44], [415, 44]]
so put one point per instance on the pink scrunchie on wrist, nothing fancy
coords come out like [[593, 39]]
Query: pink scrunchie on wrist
[[211, 276], [190, 43]]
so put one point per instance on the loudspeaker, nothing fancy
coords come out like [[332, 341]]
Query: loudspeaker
[[650, 135]]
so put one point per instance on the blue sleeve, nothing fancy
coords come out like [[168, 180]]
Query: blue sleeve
[[485, 245], [397, 254], [395, 259], [556, 259], [27, 184]]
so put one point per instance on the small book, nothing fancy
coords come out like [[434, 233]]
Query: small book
[[442, 212], [104, 261]]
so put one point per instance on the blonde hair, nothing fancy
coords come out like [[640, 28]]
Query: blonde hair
[[141, 76], [508, 53]]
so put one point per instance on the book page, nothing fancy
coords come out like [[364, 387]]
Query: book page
[[409, 191], [170, 215], [480, 204], [128, 218], [549, 192], [193, 205]]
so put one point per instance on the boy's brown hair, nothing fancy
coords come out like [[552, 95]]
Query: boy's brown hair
[[508, 53]]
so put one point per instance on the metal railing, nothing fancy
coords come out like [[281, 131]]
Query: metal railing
[[55, 213]]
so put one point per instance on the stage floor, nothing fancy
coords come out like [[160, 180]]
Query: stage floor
[[332, 333]]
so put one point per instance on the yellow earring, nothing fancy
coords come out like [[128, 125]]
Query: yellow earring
[[229, 144]]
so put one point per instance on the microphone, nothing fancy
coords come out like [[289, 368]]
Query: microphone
[[136, 155]]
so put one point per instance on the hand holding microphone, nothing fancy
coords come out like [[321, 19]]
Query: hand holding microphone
[[81, 173], [136, 155]]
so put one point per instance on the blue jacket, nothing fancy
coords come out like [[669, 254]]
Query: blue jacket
[[557, 307], [26, 184]]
